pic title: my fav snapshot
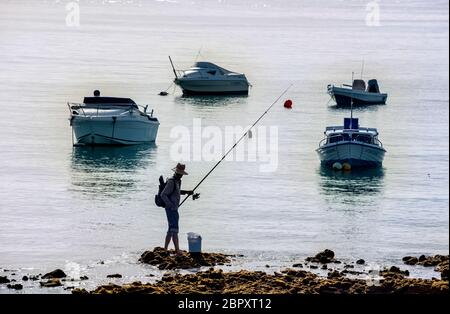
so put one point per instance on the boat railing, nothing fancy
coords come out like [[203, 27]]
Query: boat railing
[[341, 128], [326, 140], [79, 106], [378, 142]]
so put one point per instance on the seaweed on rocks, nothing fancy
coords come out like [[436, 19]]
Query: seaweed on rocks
[[290, 281], [440, 262], [168, 260]]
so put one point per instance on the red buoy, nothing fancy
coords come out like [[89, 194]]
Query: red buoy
[[288, 104]]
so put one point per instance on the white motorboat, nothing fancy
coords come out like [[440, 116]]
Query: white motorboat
[[111, 121], [357, 93], [352, 144], [205, 78]]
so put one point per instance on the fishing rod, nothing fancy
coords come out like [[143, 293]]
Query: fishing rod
[[236, 143]]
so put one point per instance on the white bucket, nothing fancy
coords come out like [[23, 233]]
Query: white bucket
[[195, 242]]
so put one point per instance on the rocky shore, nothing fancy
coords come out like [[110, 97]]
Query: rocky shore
[[166, 259], [391, 280]]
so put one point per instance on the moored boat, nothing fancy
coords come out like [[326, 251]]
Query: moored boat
[[351, 144], [357, 93], [111, 121], [206, 78]]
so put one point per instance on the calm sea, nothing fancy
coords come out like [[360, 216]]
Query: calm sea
[[70, 208]]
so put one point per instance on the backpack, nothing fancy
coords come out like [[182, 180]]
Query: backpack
[[158, 200]]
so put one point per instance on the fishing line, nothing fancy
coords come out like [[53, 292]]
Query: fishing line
[[237, 142]]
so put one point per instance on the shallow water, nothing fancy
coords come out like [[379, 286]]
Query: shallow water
[[62, 206]]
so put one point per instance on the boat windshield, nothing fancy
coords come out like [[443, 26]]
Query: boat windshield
[[357, 137], [109, 101]]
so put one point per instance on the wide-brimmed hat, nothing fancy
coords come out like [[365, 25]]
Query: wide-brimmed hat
[[180, 169]]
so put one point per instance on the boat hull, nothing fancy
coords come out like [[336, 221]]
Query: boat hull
[[344, 96], [356, 154], [213, 87], [106, 131]]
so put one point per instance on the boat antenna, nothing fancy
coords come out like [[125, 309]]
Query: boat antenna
[[351, 113], [362, 68], [173, 68], [199, 53], [236, 143]]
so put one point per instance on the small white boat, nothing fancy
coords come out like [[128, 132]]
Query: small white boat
[[352, 144], [358, 93], [111, 121], [205, 78]]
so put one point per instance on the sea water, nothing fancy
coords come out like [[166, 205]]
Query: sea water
[[90, 211]]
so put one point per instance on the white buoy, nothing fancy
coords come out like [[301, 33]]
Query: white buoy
[[337, 166]]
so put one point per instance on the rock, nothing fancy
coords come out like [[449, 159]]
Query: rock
[[299, 265], [4, 279], [334, 274], [168, 260], [324, 257], [267, 266], [25, 278], [360, 262], [54, 282], [394, 271], [84, 278], [257, 282], [34, 278], [16, 286], [324, 266], [58, 273], [114, 276], [410, 260], [349, 266], [440, 262]]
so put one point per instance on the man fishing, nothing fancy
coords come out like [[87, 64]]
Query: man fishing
[[171, 197], [172, 191]]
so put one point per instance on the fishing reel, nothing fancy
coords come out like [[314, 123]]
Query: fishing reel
[[195, 196]]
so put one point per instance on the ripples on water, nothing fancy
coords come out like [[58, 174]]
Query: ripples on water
[[81, 205], [108, 171]]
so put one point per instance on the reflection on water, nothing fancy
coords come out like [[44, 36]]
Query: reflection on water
[[358, 187], [211, 101], [356, 109], [108, 171]]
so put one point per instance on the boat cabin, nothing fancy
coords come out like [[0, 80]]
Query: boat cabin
[[98, 101], [208, 69], [372, 86], [351, 132]]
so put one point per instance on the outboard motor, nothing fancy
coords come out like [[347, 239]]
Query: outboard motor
[[372, 87], [359, 85]]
